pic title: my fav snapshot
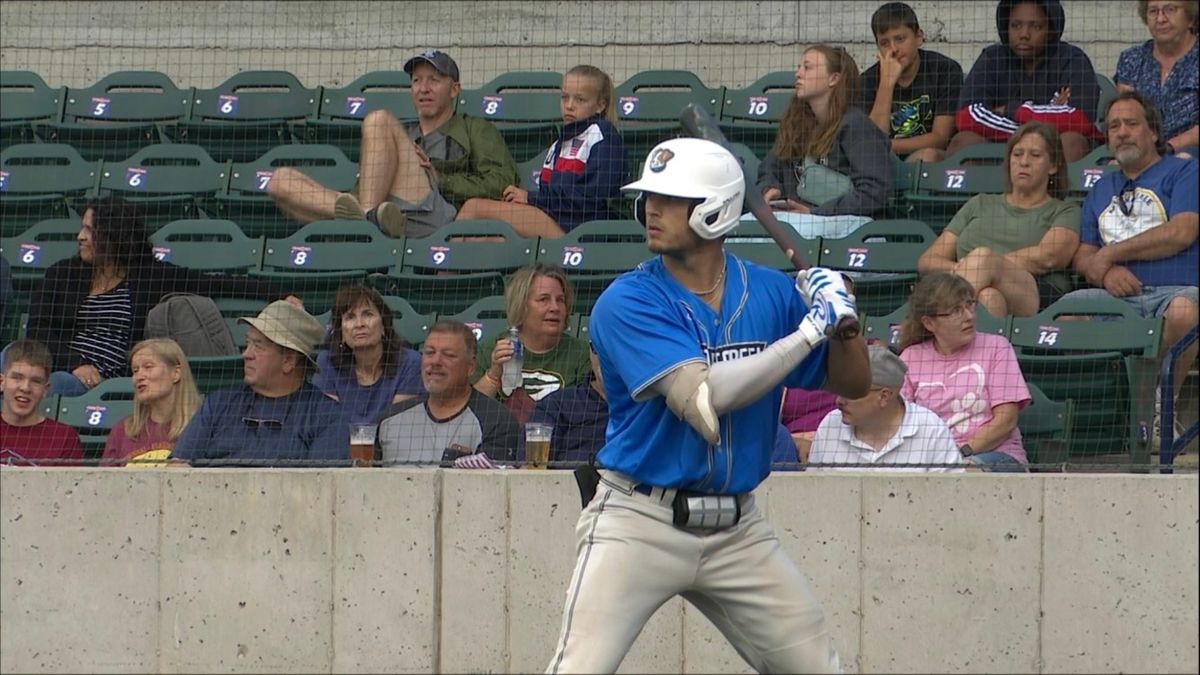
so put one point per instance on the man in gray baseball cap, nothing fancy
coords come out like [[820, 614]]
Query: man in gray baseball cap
[[415, 174], [277, 418], [883, 429]]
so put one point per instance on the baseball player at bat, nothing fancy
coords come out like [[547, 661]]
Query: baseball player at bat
[[694, 347]]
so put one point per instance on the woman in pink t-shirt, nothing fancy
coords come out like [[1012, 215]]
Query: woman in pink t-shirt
[[164, 400], [971, 380]]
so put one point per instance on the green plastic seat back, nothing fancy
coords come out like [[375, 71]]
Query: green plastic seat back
[[207, 244]]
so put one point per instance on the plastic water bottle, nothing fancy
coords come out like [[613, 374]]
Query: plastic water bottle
[[512, 379]]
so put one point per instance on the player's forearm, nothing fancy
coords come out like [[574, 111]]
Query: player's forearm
[[738, 383]]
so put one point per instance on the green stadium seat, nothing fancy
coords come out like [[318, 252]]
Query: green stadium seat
[[246, 115], [118, 115], [649, 103], [168, 181], [942, 188], [1108, 90], [524, 106], [95, 413], [751, 115], [1046, 427], [339, 116], [1107, 367], [746, 157], [246, 202], [325, 254], [887, 328], [32, 252], [1087, 172], [594, 254], [486, 317], [26, 102], [459, 263], [881, 258], [528, 170], [750, 241], [207, 245], [40, 181]]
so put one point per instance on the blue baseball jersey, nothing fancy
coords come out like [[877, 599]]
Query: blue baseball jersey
[[645, 325]]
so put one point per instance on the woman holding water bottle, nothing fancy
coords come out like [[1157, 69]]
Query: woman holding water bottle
[[538, 299]]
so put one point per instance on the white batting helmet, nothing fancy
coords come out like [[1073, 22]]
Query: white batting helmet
[[693, 168]]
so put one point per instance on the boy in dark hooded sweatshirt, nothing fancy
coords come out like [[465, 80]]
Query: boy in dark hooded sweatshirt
[[1031, 75]]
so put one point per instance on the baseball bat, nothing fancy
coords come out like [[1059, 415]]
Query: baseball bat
[[699, 123]]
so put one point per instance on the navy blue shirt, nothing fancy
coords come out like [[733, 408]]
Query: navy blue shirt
[[579, 416], [237, 424]]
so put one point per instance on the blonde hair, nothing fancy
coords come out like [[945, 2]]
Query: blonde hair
[[604, 88], [934, 293], [187, 398], [801, 134], [516, 291]]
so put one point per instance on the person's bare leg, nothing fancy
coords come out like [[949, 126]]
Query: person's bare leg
[[1017, 289], [961, 140], [527, 220], [1075, 146], [1181, 316], [300, 197], [389, 164], [993, 301]]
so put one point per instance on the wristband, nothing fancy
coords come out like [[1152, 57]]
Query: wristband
[[1170, 148], [966, 449]]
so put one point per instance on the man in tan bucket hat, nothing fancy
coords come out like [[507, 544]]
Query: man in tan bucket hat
[[278, 418]]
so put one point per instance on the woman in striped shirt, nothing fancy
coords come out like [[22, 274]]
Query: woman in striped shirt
[[92, 307]]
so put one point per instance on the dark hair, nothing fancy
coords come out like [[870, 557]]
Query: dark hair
[[32, 352], [1059, 181], [1150, 112], [934, 293], [119, 234], [456, 327], [348, 297], [892, 15]]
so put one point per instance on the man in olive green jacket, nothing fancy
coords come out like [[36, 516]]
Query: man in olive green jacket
[[413, 176]]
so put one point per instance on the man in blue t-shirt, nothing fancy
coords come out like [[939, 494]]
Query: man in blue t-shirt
[[277, 418], [694, 346], [1139, 227]]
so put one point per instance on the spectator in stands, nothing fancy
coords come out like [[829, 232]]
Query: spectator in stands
[[92, 307], [538, 300], [277, 418], [27, 438], [1031, 75], [164, 400], [364, 363], [802, 412], [582, 170], [911, 94], [829, 159], [579, 415], [1140, 227], [882, 428], [413, 175], [970, 380], [452, 421], [1015, 248], [1172, 50]]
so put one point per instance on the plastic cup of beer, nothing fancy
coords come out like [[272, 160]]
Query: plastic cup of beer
[[537, 445], [362, 444]]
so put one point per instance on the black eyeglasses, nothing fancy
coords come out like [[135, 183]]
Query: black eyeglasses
[[254, 423], [1126, 196]]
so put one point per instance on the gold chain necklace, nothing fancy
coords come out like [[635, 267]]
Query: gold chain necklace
[[720, 278]]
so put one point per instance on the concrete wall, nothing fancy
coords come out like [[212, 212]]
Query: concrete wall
[[428, 570], [330, 42]]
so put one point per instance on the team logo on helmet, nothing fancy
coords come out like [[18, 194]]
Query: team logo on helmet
[[658, 160]]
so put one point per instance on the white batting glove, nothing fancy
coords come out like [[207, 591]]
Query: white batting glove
[[825, 289], [479, 460]]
